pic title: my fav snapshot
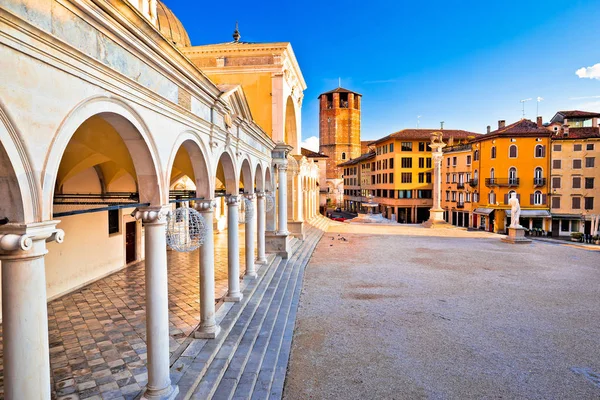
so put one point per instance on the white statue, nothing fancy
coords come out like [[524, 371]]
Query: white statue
[[515, 211]]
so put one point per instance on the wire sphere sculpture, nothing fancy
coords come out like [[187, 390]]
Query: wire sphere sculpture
[[246, 213], [186, 229], [269, 202]]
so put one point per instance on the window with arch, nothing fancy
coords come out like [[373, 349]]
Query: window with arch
[[492, 197], [476, 155], [512, 151], [475, 176], [538, 173], [512, 176], [493, 151], [343, 156], [540, 151], [537, 198], [492, 175]]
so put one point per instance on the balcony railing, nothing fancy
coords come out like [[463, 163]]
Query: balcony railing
[[501, 182], [460, 204], [460, 185], [473, 182], [539, 182]]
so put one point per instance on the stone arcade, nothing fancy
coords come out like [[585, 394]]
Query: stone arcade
[[101, 118]]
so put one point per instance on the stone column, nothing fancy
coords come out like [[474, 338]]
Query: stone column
[[233, 249], [436, 213], [260, 224], [270, 216], [282, 200], [306, 203], [157, 303], [249, 238], [208, 328], [24, 309]]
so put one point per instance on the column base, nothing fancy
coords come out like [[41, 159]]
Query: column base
[[166, 394], [210, 333], [516, 236], [436, 219], [234, 298], [278, 243], [296, 229], [261, 260], [252, 275]]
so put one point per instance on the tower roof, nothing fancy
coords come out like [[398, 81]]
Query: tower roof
[[340, 90]]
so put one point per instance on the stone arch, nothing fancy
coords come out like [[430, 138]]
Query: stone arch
[[198, 164], [246, 176], [290, 135], [259, 179], [268, 179], [135, 135], [226, 173], [20, 202]]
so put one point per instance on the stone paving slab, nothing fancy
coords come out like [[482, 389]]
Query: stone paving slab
[[411, 313], [97, 334]]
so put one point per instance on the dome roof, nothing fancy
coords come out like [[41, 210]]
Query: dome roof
[[171, 27]]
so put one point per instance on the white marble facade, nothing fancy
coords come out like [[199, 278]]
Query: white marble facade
[[64, 63]]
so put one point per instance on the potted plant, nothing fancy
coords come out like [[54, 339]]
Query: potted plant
[[576, 236]]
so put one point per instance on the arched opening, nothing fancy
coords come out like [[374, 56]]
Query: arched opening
[[290, 134], [227, 182], [106, 170], [512, 176], [11, 203], [246, 179], [512, 151]]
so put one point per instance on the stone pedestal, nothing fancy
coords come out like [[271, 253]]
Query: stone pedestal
[[296, 229], [436, 219], [516, 236], [278, 243]]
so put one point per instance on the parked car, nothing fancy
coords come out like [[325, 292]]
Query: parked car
[[340, 219]]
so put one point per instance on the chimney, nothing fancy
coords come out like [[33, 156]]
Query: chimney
[[540, 124], [501, 124], [489, 129], [595, 122]]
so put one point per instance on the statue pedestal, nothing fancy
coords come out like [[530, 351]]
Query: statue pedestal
[[436, 220], [516, 236]]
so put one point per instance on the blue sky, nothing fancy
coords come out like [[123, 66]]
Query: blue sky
[[467, 63]]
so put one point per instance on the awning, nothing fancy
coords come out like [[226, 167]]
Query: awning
[[535, 214], [483, 211], [566, 216]]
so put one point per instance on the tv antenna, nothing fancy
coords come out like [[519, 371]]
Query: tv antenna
[[523, 103]]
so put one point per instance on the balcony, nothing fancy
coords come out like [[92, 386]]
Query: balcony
[[501, 182], [460, 185], [460, 204], [473, 182], [537, 182]]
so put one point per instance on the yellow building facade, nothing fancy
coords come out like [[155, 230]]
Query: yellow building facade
[[459, 189], [513, 158]]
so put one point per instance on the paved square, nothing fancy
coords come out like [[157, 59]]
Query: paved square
[[409, 313]]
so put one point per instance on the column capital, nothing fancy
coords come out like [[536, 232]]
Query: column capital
[[152, 215], [206, 205], [20, 237], [233, 200], [250, 196], [260, 195], [282, 167]]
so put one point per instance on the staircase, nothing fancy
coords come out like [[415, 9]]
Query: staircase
[[249, 357]]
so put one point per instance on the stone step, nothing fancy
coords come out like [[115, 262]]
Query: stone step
[[245, 367], [188, 369], [279, 346], [216, 369]]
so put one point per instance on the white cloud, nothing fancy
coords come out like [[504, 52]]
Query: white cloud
[[311, 143], [592, 72]]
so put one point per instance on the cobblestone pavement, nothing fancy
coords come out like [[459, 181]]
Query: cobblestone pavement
[[410, 313], [98, 334]]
